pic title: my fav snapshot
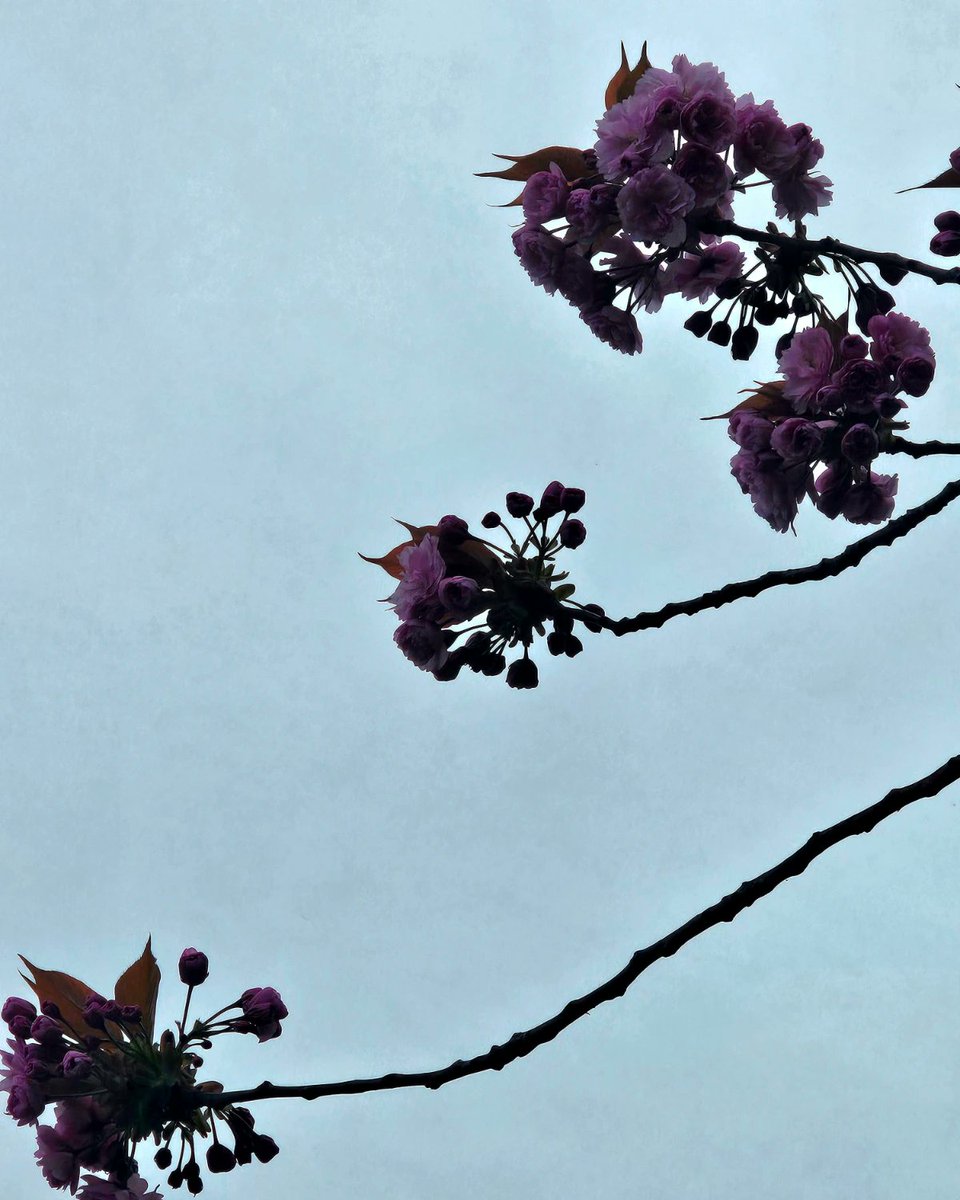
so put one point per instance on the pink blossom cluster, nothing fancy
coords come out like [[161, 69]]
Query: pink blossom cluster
[[454, 583], [836, 405], [111, 1087], [668, 162]]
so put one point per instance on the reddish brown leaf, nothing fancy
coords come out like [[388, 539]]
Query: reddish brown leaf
[[624, 82], [946, 179], [570, 161], [391, 560], [69, 995], [139, 985], [767, 399]]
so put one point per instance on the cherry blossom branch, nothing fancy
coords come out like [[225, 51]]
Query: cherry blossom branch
[[900, 445], [831, 248], [826, 568], [523, 1043]]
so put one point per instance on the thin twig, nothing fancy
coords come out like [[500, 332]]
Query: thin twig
[[854, 554], [521, 1044], [899, 445], [831, 248]]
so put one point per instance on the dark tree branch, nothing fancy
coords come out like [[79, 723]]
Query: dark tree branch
[[524, 1043], [899, 445], [830, 248], [854, 554]]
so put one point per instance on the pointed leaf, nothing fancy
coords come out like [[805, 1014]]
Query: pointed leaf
[[571, 162], [139, 985], [946, 179], [391, 560], [69, 995], [768, 399], [624, 81]]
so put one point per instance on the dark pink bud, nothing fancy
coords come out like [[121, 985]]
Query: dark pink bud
[[946, 244], [264, 1010], [163, 1158], [887, 405], [852, 345], [915, 374], [491, 520], [572, 533], [523, 674], [76, 1065], [519, 504], [21, 1011], [573, 499], [131, 1014], [46, 1031], [551, 501], [220, 1159], [194, 967], [860, 445], [265, 1148], [949, 220], [459, 594]]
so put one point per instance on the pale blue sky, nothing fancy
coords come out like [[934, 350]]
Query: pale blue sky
[[255, 306]]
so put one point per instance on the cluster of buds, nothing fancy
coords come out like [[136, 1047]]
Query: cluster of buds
[[671, 153], [111, 1086], [456, 584], [837, 405]]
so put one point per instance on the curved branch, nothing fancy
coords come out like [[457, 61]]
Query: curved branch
[[854, 554], [831, 248], [521, 1044], [899, 445]]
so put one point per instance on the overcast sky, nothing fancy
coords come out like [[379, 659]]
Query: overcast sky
[[255, 305]]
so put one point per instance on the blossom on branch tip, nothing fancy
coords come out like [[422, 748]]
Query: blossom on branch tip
[[485, 599]]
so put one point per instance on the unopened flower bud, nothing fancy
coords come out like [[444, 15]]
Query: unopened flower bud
[[852, 345], [744, 341], [727, 289], [523, 674], [264, 1147], [720, 334], [491, 520], [194, 967], [955, 159], [573, 532], [21, 1011], [573, 646], [698, 323], [915, 374], [860, 445], [519, 504], [220, 1159], [949, 220], [557, 642], [459, 594], [946, 244], [887, 405], [453, 530], [572, 500], [783, 344], [493, 664], [76, 1065], [551, 501], [175, 1178], [593, 626], [163, 1158]]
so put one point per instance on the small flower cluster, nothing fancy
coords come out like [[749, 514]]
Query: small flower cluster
[[836, 405], [454, 583], [659, 175], [94, 1061]]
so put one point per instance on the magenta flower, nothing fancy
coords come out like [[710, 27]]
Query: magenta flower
[[540, 254], [416, 596], [460, 595], [896, 337], [545, 196], [697, 276], [797, 440], [709, 121], [706, 172], [264, 1009], [58, 1160], [807, 365], [871, 502], [762, 141], [590, 210], [775, 488], [649, 282], [423, 643], [615, 327], [633, 133], [798, 196], [750, 430], [653, 205]]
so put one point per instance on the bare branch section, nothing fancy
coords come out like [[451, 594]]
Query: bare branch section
[[854, 554], [830, 248], [899, 445], [529, 1040]]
